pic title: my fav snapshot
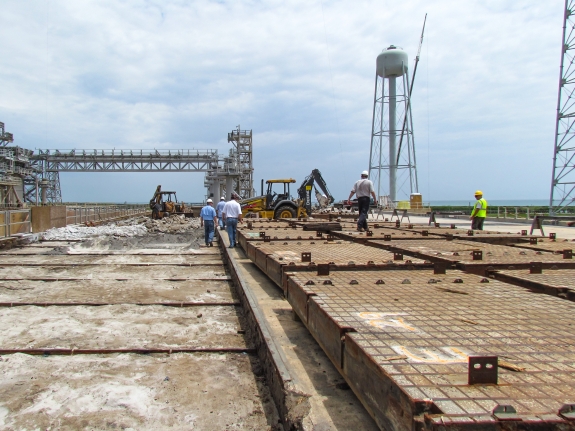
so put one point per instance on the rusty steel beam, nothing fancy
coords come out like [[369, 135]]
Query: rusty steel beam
[[141, 351], [101, 304], [54, 279], [555, 282], [119, 253], [57, 264]]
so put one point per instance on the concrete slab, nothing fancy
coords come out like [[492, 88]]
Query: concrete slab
[[115, 292], [134, 392], [119, 326], [116, 272]]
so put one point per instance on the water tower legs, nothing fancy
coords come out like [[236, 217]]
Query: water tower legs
[[392, 136]]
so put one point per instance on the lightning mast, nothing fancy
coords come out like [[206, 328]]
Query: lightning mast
[[563, 176]]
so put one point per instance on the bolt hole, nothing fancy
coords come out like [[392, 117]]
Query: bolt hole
[[477, 366], [488, 366]]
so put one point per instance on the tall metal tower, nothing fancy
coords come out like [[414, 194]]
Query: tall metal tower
[[563, 179], [392, 124], [242, 141]]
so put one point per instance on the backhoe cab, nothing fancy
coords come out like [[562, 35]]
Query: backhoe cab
[[273, 204], [163, 205]]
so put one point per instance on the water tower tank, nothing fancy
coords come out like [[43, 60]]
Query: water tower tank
[[391, 62]]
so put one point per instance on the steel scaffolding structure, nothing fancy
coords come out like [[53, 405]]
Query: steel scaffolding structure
[[563, 176], [15, 166], [126, 160], [49, 164], [242, 140], [5, 137], [29, 177]]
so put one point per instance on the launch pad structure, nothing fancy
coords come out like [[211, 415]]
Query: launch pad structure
[[33, 177]]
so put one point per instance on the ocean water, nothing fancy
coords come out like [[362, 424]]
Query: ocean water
[[494, 202]]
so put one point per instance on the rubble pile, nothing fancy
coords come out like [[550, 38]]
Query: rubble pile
[[74, 232], [172, 224]]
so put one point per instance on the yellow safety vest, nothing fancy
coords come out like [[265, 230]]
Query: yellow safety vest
[[482, 213]]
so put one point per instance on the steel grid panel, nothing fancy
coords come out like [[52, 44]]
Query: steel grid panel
[[462, 251], [422, 346], [558, 282], [324, 252], [551, 245]]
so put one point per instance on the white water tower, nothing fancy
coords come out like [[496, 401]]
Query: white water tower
[[392, 146]]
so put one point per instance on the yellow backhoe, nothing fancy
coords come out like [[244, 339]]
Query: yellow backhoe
[[273, 204]]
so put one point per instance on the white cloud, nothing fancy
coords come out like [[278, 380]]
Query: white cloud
[[182, 74]]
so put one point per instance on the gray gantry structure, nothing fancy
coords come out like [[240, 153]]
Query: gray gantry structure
[[563, 176], [36, 175]]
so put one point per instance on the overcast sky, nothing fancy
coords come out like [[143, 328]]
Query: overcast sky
[[172, 74]]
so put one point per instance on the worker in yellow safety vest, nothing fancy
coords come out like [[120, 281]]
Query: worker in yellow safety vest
[[479, 211]]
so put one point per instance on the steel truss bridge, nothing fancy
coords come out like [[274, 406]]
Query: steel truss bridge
[[231, 172]]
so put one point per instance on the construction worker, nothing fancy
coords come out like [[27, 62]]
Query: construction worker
[[362, 188], [219, 208], [208, 219], [479, 211], [232, 213]]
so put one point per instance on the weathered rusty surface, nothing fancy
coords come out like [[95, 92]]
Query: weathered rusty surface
[[275, 258], [386, 234], [557, 282], [552, 245], [141, 260], [465, 254], [408, 336], [113, 272], [142, 351], [275, 234]]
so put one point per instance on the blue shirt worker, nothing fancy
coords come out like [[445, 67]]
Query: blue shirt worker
[[219, 207], [208, 219]]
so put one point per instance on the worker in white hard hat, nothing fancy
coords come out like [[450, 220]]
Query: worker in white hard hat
[[362, 189], [208, 219], [219, 208], [479, 211]]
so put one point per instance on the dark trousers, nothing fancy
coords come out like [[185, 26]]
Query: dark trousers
[[208, 231], [363, 208], [477, 223]]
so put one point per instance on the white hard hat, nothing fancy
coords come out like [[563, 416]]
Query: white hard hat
[[222, 198], [365, 173], [209, 201]]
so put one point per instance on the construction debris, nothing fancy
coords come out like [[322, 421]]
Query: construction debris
[[75, 232], [136, 226], [173, 224]]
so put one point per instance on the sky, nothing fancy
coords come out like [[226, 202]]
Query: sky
[[176, 74]]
